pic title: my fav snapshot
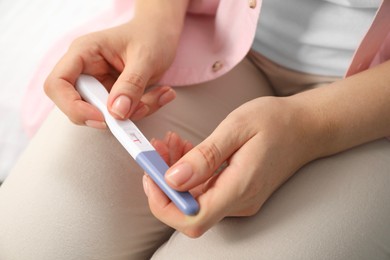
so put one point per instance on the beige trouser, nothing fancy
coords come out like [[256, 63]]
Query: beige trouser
[[76, 194]]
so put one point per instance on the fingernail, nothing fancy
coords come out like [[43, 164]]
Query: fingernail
[[145, 184], [167, 97], [179, 174], [96, 124], [121, 106]]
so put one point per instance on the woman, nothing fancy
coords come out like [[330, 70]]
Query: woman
[[284, 112]]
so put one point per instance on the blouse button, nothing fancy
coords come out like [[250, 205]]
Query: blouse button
[[252, 3], [217, 66]]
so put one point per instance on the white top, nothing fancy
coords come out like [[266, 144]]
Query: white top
[[313, 36]]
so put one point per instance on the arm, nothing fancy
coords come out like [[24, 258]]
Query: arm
[[263, 153], [348, 112], [126, 59], [170, 12], [157, 25]]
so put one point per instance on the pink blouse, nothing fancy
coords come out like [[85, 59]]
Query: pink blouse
[[217, 35]]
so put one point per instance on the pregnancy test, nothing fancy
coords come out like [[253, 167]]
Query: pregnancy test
[[132, 139]]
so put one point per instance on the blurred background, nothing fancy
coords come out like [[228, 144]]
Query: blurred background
[[28, 29]]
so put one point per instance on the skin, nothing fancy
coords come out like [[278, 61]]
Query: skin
[[262, 154], [126, 59]]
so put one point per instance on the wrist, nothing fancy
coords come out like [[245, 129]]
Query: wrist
[[310, 132], [348, 112], [167, 16]]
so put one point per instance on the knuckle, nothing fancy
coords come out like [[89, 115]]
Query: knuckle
[[75, 121], [211, 154], [250, 198], [193, 232], [73, 116], [237, 121], [194, 229], [87, 45], [48, 86], [252, 210], [251, 194], [136, 81], [248, 210], [143, 52], [81, 40]]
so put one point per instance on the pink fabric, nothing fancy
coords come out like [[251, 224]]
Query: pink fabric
[[36, 105], [203, 7], [214, 31], [375, 46], [224, 37]]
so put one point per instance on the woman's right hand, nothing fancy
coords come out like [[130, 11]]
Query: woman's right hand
[[125, 59]]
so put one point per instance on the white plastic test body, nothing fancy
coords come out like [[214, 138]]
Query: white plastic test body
[[131, 138]]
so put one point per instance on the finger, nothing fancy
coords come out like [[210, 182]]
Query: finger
[[187, 146], [153, 100], [212, 210], [225, 194], [162, 149], [167, 212], [59, 86], [241, 189], [129, 87], [141, 111], [199, 164], [177, 147]]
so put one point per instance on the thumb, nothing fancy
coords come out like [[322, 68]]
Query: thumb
[[200, 163], [128, 89]]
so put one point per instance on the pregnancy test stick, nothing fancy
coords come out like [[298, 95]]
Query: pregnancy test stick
[[131, 138]]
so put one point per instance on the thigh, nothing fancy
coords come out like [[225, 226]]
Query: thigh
[[334, 208], [76, 193]]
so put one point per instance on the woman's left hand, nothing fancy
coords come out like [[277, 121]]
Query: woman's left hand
[[263, 143]]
